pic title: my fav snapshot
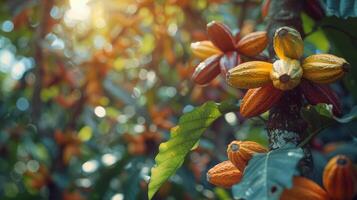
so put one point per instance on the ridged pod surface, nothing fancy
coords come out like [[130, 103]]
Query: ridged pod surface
[[207, 70], [221, 36], [251, 74], [339, 179], [204, 49], [324, 68], [224, 174], [240, 152], [288, 43], [318, 93], [286, 74], [304, 189], [253, 43], [259, 100]]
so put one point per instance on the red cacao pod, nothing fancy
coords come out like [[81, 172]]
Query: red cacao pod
[[313, 9], [221, 36], [240, 152], [207, 70], [259, 100], [304, 189], [228, 61], [318, 93], [339, 178], [224, 174]]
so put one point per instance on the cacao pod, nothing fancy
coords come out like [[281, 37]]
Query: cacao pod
[[338, 178], [207, 70], [228, 61], [253, 43], [305, 189], [324, 68], [251, 74], [224, 174], [259, 100], [221, 36], [240, 152], [265, 8], [314, 9], [288, 43], [286, 74], [204, 49], [318, 93]]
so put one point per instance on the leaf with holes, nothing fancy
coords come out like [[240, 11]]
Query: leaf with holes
[[267, 175], [184, 137]]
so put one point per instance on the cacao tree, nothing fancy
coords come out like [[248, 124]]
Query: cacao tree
[[178, 99]]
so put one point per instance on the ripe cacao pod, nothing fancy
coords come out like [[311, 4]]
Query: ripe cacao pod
[[253, 43], [251, 74], [265, 8], [259, 100], [207, 70], [339, 179], [314, 9], [228, 61], [288, 43], [304, 189], [224, 174], [240, 152], [221, 36], [286, 74], [317, 93], [324, 68], [204, 49]]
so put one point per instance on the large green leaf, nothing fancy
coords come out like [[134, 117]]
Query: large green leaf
[[268, 174], [183, 138], [320, 117], [344, 9]]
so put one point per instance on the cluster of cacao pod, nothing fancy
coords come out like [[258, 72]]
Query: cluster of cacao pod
[[268, 81], [224, 51], [230, 172], [339, 181]]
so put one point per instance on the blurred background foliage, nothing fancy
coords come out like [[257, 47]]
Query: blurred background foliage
[[89, 88]]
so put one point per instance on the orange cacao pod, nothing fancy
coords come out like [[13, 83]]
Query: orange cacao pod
[[304, 189], [288, 43], [253, 43], [221, 36], [207, 70], [259, 100], [224, 174], [339, 179], [318, 93], [240, 152]]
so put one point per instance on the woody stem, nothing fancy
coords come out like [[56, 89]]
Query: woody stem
[[285, 124]]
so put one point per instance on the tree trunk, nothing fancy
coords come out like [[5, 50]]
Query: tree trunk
[[285, 124]]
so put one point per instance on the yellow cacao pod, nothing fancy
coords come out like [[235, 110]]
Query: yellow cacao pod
[[204, 49], [253, 43], [286, 74], [288, 43], [240, 152], [224, 174], [259, 100], [324, 68], [304, 189], [250, 74], [338, 178]]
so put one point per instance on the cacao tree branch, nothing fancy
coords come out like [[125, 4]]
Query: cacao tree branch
[[285, 124]]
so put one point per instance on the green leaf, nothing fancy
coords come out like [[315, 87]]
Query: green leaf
[[267, 175], [344, 9], [184, 137]]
